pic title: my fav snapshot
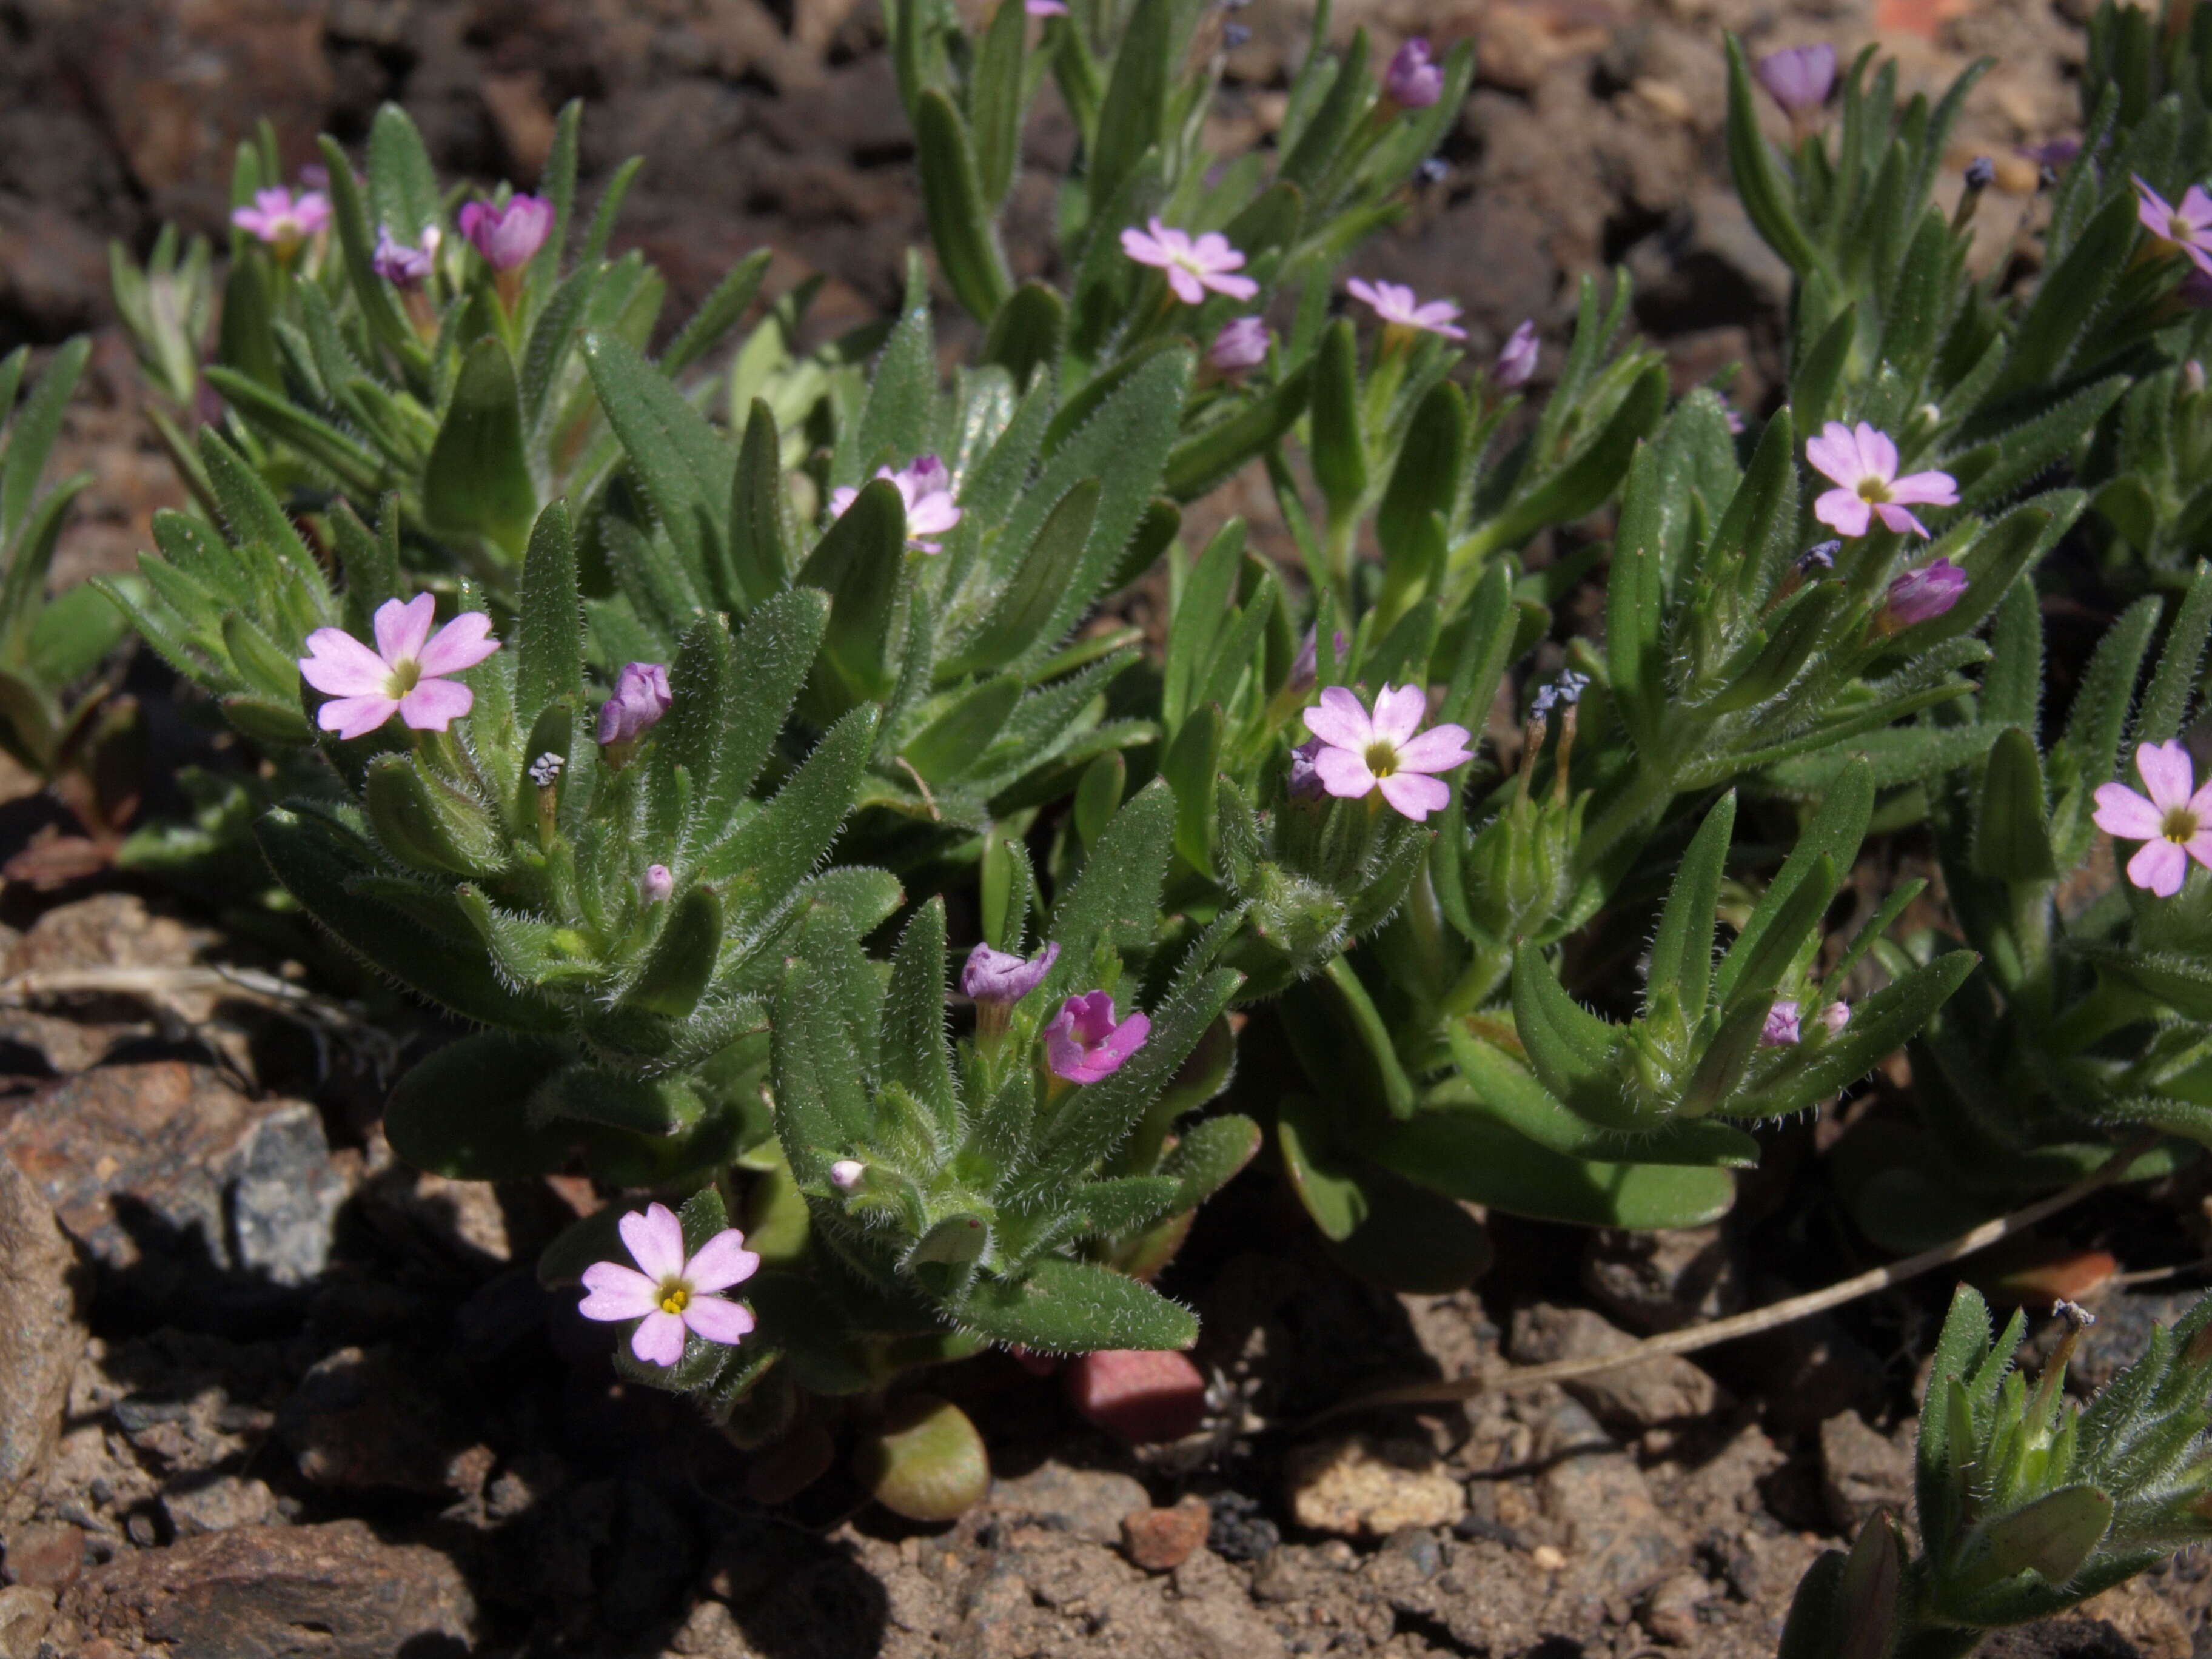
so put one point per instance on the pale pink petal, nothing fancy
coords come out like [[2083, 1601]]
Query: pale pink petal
[[1360, 288], [1399, 713], [461, 643], [434, 705], [355, 717], [933, 514], [1414, 795], [1843, 511], [1213, 252], [1835, 453], [2196, 207], [2158, 865], [342, 666], [1188, 288], [723, 1261], [1437, 750], [717, 1320], [660, 1339], [403, 625], [2199, 847], [1236, 287], [1339, 720], [840, 499], [618, 1292], [656, 1238], [2155, 210], [2168, 778], [2121, 812], [1142, 248], [1877, 454], [1343, 773], [2201, 802], [1898, 518], [1926, 489]]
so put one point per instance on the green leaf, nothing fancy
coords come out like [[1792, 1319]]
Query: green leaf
[[1759, 181], [1039, 585], [477, 480], [915, 1053], [764, 858], [32, 433], [1026, 331], [677, 458], [1339, 452], [403, 186], [718, 314], [1189, 766], [1208, 1157], [1569, 1048], [1682, 953], [463, 1113], [2012, 841], [960, 225], [676, 975], [1132, 115], [2171, 683], [550, 644], [1114, 900], [1471, 1158], [1331, 1193], [1075, 1307], [860, 564], [1504, 1091], [897, 414], [995, 99], [1203, 459], [760, 548]]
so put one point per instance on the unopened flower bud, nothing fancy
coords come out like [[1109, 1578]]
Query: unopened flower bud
[[1434, 171], [1923, 595], [2192, 376], [1835, 1016], [1001, 976], [1516, 358], [1781, 1031], [1412, 81], [659, 882], [1241, 344], [545, 771], [1799, 79], [846, 1174], [1234, 35], [508, 236], [640, 697], [1981, 173], [1305, 782]]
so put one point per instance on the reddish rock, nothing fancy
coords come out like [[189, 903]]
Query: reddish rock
[[40, 1335], [336, 1591], [48, 1556], [1142, 1396], [1160, 1540]]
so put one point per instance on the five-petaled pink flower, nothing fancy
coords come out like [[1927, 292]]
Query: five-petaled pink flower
[[1193, 266], [282, 219], [1360, 755], [2188, 226], [1862, 462], [406, 675], [926, 487], [1393, 302], [2173, 821], [1083, 1043], [508, 236], [669, 1292]]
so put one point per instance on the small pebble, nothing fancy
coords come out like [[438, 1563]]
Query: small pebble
[[1160, 1540], [1548, 1558]]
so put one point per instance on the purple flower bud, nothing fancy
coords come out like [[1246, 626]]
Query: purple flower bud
[[1981, 173], [1001, 976], [1799, 79], [399, 264], [1571, 686], [642, 697], [508, 236], [846, 1174], [1822, 555], [1516, 358], [1781, 1030], [1084, 1043], [659, 882], [1434, 171], [1305, 667], [1835, 1016], [1234, 35], [1412, 80], [1921, 595], [1241, 344], [1305, 782], [2051, 153]]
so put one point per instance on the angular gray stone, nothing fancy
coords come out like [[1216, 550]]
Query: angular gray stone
[[285, 1198], [1862, 1470], [1619, 1543], [1665, 1388]]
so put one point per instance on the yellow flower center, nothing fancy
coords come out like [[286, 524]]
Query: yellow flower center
[[2181, 827], [2178, 229], [675, 1296], [1382, 758], [406, 674], [1873, 491]]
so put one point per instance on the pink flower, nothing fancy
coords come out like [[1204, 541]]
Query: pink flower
[[1305, 781], [1781, 1028], [1305, 667], [282, 219], [846, 1174], [1084, 1044], [1242, 343], [1393, 302], [1798, 78], [1921, 595], [1835, 1016], [2174, 823], [508, 236], [1412, 81], [1360, 755], [640, 697], [1193, 267], [659, 882], [2188, 226], [1516, 358], [399, 264], [991, 976], [1863, 462], [926, 487], [1045, 8], [669, 1292], [406, 675]]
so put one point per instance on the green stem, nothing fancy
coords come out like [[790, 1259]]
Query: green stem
[[1650, 790]]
